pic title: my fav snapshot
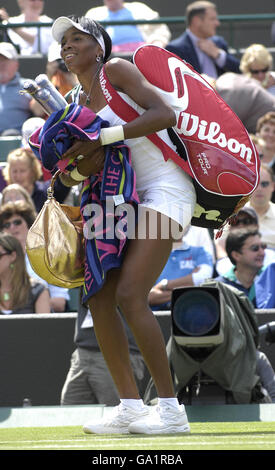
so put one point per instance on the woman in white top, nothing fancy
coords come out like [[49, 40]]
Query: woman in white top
[[30, 40], [161, 185]]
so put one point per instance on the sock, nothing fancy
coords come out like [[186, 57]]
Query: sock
[[135, 404], [171, 402]]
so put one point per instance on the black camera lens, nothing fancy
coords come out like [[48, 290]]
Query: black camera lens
[[196, 314]]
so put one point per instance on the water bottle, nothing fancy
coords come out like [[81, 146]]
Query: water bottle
[[44, 97], [29, 86], [43, 82]]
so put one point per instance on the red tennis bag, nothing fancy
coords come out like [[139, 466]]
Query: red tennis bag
[[212, 144]]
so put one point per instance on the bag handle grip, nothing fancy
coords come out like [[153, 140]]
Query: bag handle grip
[[50, 190]]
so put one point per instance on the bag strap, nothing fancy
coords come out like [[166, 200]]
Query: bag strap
[[50, 190], [127, 113]]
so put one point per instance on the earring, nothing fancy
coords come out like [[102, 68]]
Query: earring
[[97, 58], [11, 265]]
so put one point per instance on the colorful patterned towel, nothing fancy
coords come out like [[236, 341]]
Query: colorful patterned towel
[[108, 200], [60, 131]]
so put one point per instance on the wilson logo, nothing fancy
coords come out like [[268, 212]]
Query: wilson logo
[[191, 125], [106, 93]]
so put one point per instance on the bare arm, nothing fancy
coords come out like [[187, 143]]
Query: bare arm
[[24, 33], [158, 115], [158, 295], [42, 304], [58, 304]]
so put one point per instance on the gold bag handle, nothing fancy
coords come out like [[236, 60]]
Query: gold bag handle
[[50, 190]]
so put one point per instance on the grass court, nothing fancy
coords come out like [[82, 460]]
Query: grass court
[[204, 436]]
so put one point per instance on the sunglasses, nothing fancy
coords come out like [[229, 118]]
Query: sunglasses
[[265, 184], [15, 222], [256, 72], [244, 221], [257, 247]]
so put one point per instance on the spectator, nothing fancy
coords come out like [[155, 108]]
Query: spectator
[[266, 131], [28, 127], [199, 236], [29, 40], [246, 252], [18, 292], [16, 218], [129, 37], [264, 288], [247, 98], [259, 144], [88, 380], [200, 46], [247, 219], [257, 63], [14, 108], [16, 192], [188, 265], [261, 202], [24, 168]]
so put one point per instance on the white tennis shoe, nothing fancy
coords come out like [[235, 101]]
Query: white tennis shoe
[[162, 420], [118, 422]]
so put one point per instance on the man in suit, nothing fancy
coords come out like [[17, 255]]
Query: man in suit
[[199, 46]]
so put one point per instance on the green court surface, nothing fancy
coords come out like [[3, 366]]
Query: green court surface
[[203, 436], [229, 427]]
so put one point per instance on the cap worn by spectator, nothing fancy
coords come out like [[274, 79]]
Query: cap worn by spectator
[[8, 51]]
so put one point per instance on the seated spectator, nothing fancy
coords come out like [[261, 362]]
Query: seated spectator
[[18, 292], [24, 168], [266, 132], [29, 40], [14, 107], [127, 38], [200, 46], [198, 236], [257, 63], [16, 218], [259, 144], [264, 288], [28, 127], [246, 250], [247, 98], [188, 265], [261, 202], [16, 192], [247, 219]]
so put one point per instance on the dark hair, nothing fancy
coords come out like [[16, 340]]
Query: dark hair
[[197, 9], [21, 208], [96, 30], [236, 239]]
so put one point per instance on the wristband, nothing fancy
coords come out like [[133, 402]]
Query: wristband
[[77, 176], [164, 284], [109, 135]]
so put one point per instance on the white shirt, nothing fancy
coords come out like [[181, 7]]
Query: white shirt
[[45, 36]]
